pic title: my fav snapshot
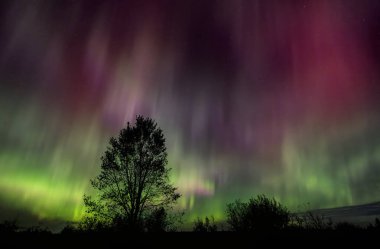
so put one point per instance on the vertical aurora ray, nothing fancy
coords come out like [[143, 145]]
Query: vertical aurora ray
[[274, 97]]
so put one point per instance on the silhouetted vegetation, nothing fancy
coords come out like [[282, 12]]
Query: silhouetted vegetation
[[205, 235], [346, 227], [208, 225], [375, 226], [133, 186], [258, 214], [315, 221], [69, 229], [159, 220], [37, 230], [9, 226]]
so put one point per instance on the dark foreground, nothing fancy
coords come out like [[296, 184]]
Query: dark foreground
[[298, 239]]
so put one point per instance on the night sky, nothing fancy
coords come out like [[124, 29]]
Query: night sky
[[274, 97]]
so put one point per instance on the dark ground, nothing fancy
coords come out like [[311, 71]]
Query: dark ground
[[298, 239]]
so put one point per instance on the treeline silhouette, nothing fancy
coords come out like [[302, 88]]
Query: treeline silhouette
[[260, 221], [259, 214]]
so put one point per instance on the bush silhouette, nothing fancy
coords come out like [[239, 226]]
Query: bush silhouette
[[9, 226], [258, 214], [37, 230], [208, 225], [133, 183], [314, 221], [377, 223], [159, 220], [375, 226], [346, 227]]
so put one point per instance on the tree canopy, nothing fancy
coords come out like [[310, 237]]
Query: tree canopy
[[134, 181]]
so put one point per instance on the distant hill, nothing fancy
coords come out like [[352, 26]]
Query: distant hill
[[359, 214]]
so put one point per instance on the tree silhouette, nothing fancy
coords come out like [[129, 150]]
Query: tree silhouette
[[133, 183], [258, 214]]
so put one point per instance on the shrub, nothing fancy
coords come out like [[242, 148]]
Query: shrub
[[208, 225], [258, 214]]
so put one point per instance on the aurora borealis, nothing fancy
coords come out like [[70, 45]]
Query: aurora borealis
[[274, 97]]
